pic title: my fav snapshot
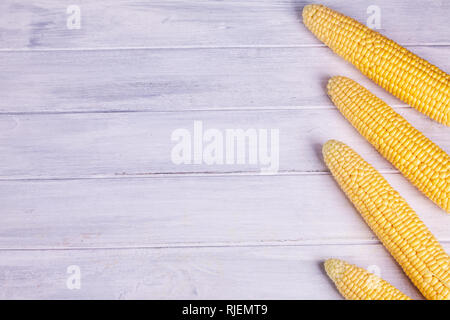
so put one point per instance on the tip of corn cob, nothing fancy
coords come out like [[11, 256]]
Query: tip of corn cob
[[333, 84], [355, 283], [329, 146], [310, 10], [335, 268]]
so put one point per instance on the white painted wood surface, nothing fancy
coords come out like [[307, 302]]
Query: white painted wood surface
[[86, 177], [199, 23], [207, 210], [125, 144], [179, 79], [189, 273]]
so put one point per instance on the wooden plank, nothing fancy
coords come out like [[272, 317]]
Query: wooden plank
[[185, 79], [122, 23], [117, 144], [190, 211], [189, 273]]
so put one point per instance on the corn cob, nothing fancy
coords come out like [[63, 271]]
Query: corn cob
[[425, 164], [357, 284], [399, 71], [394, 222]]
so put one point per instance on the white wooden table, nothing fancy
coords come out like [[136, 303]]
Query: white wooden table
[[87, 185]]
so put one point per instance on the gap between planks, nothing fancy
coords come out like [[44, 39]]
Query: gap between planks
[[256, 46], [225, 245], [179, 175], [218, 109]]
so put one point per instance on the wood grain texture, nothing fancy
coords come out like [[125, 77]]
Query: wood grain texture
[[181, 79], [124, 144], [121, 23], [189, 273], [190, 211]]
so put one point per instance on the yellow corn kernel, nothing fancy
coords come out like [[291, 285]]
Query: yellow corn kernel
[[394, 222], [399, 71], [357, 284], [420, 160]]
